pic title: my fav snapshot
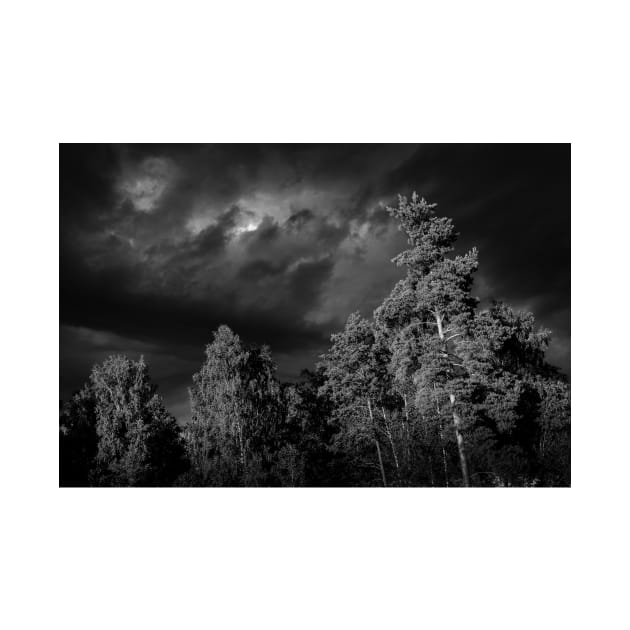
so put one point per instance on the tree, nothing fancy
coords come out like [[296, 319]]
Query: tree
[[138, 440], [554, 448], [510, 386], [235, 401], [308, 430], [355, 375], [434, 305], [78, 441], [418, 429], [485, 370]]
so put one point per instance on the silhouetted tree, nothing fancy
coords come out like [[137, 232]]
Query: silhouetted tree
[[309, 430], [78, 441]]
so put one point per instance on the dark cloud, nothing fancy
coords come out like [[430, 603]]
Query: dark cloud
[[159, 244]]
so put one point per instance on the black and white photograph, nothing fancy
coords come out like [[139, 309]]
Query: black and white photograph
[[315, 315]]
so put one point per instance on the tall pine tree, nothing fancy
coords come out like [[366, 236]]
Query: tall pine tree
[[431, 308]]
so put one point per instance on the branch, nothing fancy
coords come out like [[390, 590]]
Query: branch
[[453, 336]]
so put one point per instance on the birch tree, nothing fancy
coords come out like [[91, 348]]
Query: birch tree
[[138, 440], [235, 402]]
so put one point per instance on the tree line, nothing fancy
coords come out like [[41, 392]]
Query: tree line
[[431, 391]]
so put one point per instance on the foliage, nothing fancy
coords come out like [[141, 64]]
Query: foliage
[[431, 391], [117, 432], [78, 442], [235, 401]]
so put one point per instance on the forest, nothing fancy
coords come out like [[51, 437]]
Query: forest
[[431, 391]]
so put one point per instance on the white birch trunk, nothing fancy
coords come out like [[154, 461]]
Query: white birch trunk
[[388, 431], [457, 422], [378, 446]]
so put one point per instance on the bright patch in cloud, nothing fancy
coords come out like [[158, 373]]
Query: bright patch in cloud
[[145, 185], [252, 226]]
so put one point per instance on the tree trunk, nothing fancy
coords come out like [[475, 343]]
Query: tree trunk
[[241, 447], [456, 419], [444, 456], [388, 432], [460, 444], [427, 445], [406, 431], [378, 446]]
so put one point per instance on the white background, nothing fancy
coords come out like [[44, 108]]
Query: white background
[[313, 72]]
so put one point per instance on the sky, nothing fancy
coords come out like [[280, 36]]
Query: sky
[[161, 244]]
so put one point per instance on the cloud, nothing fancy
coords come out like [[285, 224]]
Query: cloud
[[160, 244], [145, 184]]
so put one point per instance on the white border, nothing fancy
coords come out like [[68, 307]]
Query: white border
[[325, 71]]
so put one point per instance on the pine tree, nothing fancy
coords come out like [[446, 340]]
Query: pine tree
[[355, 376], [418, 429], [431, 308], [520, 399], [485, 370]]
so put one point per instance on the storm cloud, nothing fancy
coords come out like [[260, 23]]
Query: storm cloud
[[160, 244]]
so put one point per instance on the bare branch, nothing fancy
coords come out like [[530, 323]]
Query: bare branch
[[453, 336]]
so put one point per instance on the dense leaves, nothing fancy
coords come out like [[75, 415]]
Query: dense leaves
[[236, 414], [432, 391], [117, 432]]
